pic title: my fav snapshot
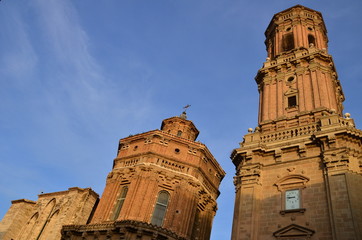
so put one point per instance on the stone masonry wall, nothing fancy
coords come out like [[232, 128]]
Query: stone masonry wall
[[43, 219], [17, 216]]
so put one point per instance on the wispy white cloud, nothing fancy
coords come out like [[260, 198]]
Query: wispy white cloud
[[79, 75], [69, 43], [18, 59]]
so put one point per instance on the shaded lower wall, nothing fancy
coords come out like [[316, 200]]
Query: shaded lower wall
[[346, 195]]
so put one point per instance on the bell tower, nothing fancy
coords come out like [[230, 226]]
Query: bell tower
[[298, 173], [298, 82]]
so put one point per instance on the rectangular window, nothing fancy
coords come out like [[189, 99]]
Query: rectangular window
[[160, 208], [292, 101], [288, 42], [119, 204]]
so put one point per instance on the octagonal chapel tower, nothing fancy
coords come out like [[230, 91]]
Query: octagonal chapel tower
[[163, 185], [298, 174]]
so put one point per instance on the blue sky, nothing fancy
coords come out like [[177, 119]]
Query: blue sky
[[76, 76]]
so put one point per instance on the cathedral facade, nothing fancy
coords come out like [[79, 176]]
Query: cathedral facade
[[299, 172]]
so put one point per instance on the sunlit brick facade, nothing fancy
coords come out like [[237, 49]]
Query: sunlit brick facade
[[163, 185]]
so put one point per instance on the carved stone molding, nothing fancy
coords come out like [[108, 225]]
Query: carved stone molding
[[302, 151], [206, 201], [294, 231], [249, 174], [291, 180], [164, 141], [237, 183], [332, 141], [168, 179], [336, 160], [120, 175], [192, 150], [278, 155], [148, 140], [146, 168], [124, 145], [119, 229], [193, 183]]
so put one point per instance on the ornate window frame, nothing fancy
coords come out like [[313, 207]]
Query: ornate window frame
[[291, 93], [288, 183]]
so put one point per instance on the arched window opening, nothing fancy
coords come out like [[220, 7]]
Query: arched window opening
[[311, 40], [160, 208], [288, 42], [179, 133], [119, 203]]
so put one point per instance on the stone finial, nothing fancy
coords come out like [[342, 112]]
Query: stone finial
[[347, 115], [250, 130], [183, 115]]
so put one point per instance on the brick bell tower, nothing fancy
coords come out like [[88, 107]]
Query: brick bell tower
[[163, 185], [298, 174]]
